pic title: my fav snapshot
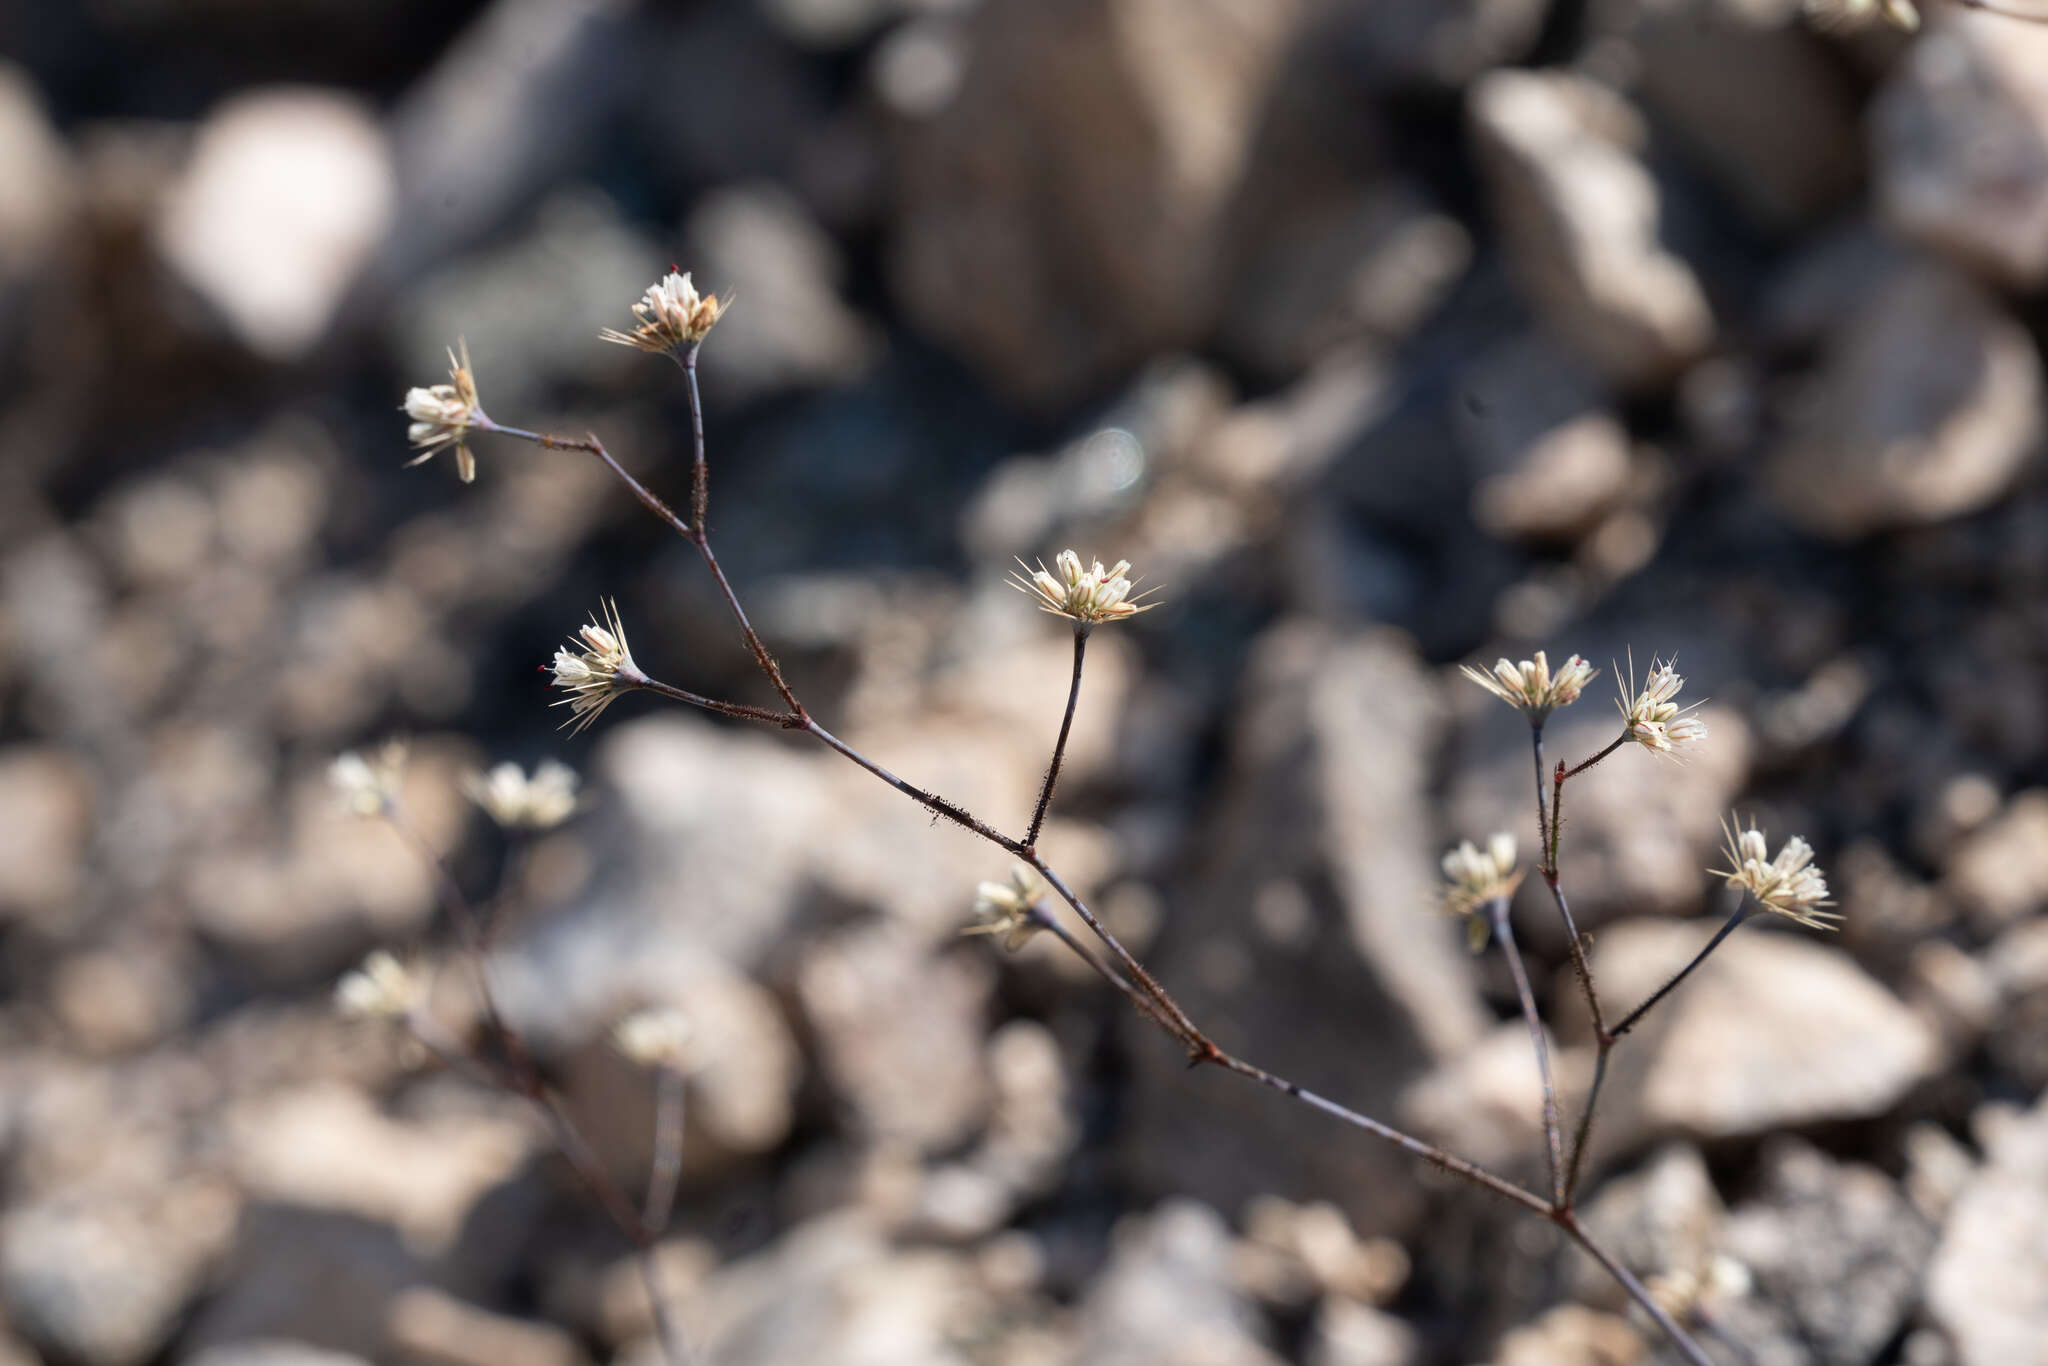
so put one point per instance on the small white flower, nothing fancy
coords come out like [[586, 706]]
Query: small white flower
[[598, 672], [381, 988], [1086, 596], [1651, 718], [657, 1037], [443, 416], [369, 786], [1530, 687], [672, 315], [518, 802], [1010, 909], [1788, 885], [1478, 876]]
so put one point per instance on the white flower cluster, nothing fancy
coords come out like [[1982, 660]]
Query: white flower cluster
[[598, 672], [672, 315], [1788, 885], [518, 802], [1531, 687], [1084, 596], [1011, 908], [1652, 719], [443, 415], [1477, 876]]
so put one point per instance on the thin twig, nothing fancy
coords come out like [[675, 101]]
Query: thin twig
[[734, 709], [1628, 1021], [1640, 1293], [1059, 749], [1497, 912], [667, 1167], [929, 801]]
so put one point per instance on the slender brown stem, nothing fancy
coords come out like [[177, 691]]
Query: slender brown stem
[[1176, 1020], [1542, 822], [1059, 749], [700, 471], [1415, 1147], [762, 659], [929, 801], [1734, 921], [1584, 1135], [736, 709], [1497, 912], [667, 1168], [1640, 1293]]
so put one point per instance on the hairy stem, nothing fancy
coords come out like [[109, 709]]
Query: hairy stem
[[734, 709], [1497, 912], [700, 470], [1584, 1135], [929, 801], [1734, 921], [1059, 749]]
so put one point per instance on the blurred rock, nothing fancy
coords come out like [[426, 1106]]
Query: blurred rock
[[1316, 872], [46, 819], [105, 1281], [1926, 407], [436, 1329], [1165, 1299], [327, 1147], [272, 1352], [899, 1034], [1785, 140], [1346, 1333], [509, 105], [309, 1276], [1999, 872], [1988, 1285], [1052, 286], [1342, 265], [1835, 1255], [37, 191], [1662, 1220], [2017, 963], [1772, 1031], [1960, 135], [287, 194], [1549, 457], [1428, 43], [1292, 1255], [833, 1291], [1573, 1335], [1578, 215], [788, 327]]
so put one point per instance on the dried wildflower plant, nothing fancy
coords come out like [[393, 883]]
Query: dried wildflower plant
[[597, 667]]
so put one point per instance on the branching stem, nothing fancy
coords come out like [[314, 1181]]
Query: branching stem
[[1122, 969]]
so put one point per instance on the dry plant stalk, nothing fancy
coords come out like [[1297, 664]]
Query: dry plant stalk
[[599, 667]]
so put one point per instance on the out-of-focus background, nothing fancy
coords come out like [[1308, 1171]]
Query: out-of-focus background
[[1381, 336]]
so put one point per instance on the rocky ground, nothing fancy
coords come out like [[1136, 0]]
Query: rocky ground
[[1382, 336]]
